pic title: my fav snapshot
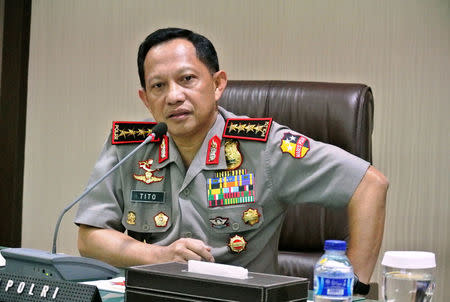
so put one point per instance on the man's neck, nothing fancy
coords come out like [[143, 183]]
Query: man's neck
[[189, 146]]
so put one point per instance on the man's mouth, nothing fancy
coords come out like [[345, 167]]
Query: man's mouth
[[178, 114]]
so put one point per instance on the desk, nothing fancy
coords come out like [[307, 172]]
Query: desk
[[110, 296], [118, 297], [104, 286]]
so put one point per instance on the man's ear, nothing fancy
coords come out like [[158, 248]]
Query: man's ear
[[143, 96], [220, 81]]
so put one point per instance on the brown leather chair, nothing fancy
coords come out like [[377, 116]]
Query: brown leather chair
[[338, 114]]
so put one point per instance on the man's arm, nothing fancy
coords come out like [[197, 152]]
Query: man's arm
[[121, 250], [366, 212]]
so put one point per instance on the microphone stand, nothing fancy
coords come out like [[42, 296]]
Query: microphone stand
[[90, 188]]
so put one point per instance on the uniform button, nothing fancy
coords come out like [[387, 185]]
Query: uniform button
[[145, 227], [235, 226], [187, 192], [187, 235]]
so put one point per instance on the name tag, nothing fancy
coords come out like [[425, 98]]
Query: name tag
[[145, 196]]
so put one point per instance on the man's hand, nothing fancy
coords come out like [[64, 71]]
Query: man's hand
[[188, 249], [121, 250]]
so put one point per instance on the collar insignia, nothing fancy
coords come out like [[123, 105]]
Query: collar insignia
[[296, 145], [256, 129], [148, 177], [164, 149], [131, 132], [212, 156]]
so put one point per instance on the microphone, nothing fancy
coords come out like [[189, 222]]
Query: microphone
[[38, 263]]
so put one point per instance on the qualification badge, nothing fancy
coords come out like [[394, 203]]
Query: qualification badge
[[148, 177], [161, 220], [233, 156], [251, 216], [219, 222], [131, 217], [237, 244]]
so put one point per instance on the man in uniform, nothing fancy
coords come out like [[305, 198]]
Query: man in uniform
[[216, 187]]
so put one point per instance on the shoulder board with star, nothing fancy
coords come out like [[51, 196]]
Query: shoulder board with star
[[131, 132], [255, 129]]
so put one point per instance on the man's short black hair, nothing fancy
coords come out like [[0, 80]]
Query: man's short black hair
[[204, 48]]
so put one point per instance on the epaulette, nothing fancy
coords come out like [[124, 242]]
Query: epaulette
[[256, 129], [131, 132]]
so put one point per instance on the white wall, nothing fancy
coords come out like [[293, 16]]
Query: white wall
[[83, 75]]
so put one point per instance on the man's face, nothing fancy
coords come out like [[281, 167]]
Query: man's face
[[180, 91]]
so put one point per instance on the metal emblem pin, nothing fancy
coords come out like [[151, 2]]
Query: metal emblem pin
[[251, 216], [131, 217], [237, 244], [232, 154], [161, 219]]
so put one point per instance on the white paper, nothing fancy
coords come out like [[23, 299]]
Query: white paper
[[2, 260], [217, 269], [112, 285]]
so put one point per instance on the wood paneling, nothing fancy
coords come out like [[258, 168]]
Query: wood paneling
[[13, 104]]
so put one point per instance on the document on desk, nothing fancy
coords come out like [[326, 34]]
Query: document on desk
[[217, 269], [111, 285]]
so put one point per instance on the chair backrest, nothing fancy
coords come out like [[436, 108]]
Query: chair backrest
[[338, 114]]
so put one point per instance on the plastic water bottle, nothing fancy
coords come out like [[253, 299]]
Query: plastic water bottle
[[333, 274]]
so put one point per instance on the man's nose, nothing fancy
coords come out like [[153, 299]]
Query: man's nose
[[175, 94]]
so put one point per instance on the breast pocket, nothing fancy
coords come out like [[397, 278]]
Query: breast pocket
[[148, 212]]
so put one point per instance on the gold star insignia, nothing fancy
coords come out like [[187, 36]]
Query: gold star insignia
[[122, 133], [259, 128], [142, 132], [241, 127], [250, 128], [233, 127], [131, 132]]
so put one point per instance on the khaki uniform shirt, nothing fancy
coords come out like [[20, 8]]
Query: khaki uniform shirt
[[233, 196]]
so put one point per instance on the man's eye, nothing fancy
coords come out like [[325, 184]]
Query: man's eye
[[157, 85], [188, 78]]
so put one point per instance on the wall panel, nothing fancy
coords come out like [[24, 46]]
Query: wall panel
[[83, 75]]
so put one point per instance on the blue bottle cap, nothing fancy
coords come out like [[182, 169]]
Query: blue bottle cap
[[338, 245]]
